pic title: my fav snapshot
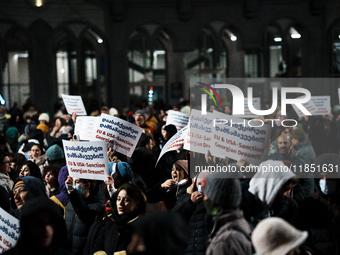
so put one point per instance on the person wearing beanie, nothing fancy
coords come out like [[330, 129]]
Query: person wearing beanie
[[11, 137], [120, 173], [275, 236], [62, 198], [150, 120], [139, 118], [302, 148], [42, 230], [268, 193], [230, 233], [44, 119], [24, 189], [55, 155], [113, 112]]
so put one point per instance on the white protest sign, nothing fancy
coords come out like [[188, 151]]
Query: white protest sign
[[119, 134], [74, 104], [85, 126], [179, 119], [200, 132], [322, 105], [175, 143], [86, 160], [237, 138], [310, 106], [247, 112], [9, 231]]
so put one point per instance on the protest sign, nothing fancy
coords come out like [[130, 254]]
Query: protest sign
[[87, 160], [9, 231], [201, 132], [119, 134], [247, 113], [85, 126], [310, 106], [238, 138], [74, 104], [175, 143], [322, 105], [179, 119]]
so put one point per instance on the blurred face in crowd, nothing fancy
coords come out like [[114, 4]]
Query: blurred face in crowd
[[163, 131], [5, 165], [24, 171], [42, 227], [294, 142], [177, 173], [35, 151], [283, 144], [125, 204], [285, 132], [50, 179], [227, 109], [139, 119], [20, 195]]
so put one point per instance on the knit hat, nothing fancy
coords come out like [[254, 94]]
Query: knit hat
[[12, 132], [123, 169], [29, 128], [113, 111], [275, 236], [43, 127], [45, 117], [336, 108], [54, 152], [141, 112], [299, 135], [184, 165], [18, 184], [186, 109], [225, 192]]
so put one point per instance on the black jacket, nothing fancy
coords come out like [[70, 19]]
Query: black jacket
[[79, 216], [199, 223]]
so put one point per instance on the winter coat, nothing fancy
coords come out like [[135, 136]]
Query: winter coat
[[116, 234], [230, 235], [199, 222], [40, 161], [79, 215], [62, 198], [305, 151]]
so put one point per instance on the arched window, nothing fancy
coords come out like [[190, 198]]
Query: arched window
[[15, 74]]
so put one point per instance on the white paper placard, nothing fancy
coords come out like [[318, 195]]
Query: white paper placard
[[87, 160], [74, 104], [179, 119], [236, 139], [85, 126], [322, 105], [175, 143], [247, 112], [119, 134], [9, 231], [310, 106]]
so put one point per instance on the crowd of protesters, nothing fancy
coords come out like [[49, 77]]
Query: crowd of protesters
[[148, 208]]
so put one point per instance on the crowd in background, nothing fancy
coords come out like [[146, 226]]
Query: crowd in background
[[144, 208]]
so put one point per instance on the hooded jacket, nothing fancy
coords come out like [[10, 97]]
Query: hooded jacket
[[62, 198], [35, 188], [26, 245]]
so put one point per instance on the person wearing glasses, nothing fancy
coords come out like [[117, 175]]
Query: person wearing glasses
[[5, 180]]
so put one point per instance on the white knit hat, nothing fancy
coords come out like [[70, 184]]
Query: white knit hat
[[45, 117], [275, 236]]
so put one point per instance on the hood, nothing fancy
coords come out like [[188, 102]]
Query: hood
[[34, 186], [265, 185], [62, 196]]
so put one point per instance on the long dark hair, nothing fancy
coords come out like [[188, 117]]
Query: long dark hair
[[134, 192]]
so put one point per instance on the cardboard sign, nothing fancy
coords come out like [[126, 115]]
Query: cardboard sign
[[322, 105], [9, 231], [237, 138], [310, 106], [247, 112], [74, 104], [179, 119], [119, 134], [201, 132], [85, 126], [87, 160], [175, 143]]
